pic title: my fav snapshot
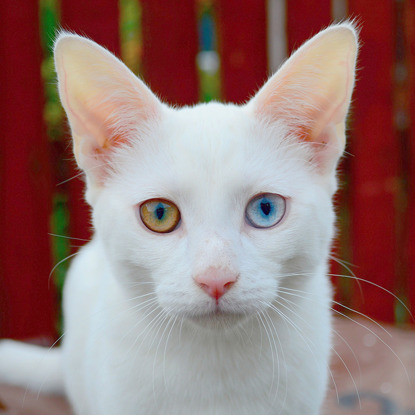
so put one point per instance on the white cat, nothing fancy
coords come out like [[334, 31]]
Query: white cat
[[204, 289]]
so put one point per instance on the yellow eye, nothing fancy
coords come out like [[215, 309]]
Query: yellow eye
[[160, 215]]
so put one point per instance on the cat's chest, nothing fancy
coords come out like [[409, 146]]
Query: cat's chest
[[171, 370], [161, 385]]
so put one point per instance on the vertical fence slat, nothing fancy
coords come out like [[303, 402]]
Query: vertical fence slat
[[170, 45], [410, 240], [99, 21], [375, 164], [242, 30], [304, 19], [27, 302]]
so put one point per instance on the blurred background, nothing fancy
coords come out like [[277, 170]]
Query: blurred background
[[202, 50]]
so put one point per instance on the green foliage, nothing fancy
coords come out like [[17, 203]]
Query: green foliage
[[53, 112], [54, 117], [208, 59], [130, 34], [61, 246]]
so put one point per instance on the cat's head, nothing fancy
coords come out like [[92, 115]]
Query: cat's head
[[211, 207]]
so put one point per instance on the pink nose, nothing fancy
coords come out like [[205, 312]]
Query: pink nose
[[216, 281]]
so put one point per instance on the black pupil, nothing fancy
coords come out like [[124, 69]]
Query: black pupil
[[160, 212], [266, 208]]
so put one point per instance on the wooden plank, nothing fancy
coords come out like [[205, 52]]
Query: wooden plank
[[100, 22], [27, 300], [409, 28], [304, 19], [242, 35], [277, 34], [170, 46], [375, 165]]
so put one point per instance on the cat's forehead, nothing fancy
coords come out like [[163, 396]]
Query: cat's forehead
[[197, 145], [212, 127], [212, 140], [225, 138], [217, 147]]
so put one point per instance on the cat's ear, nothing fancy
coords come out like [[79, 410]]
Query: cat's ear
[[104, 101], [310, 94]]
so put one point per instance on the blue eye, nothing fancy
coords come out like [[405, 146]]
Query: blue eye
[[265, 210]]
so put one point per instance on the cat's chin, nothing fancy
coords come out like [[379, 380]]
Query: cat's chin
[[217, 320]]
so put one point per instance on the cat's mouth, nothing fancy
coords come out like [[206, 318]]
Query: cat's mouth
[[218, 319]]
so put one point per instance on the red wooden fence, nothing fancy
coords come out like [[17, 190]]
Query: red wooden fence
[[170, 45], [27, 306], [380, 244], [242, 27], [98, 22], [375, 168], [409, 17]]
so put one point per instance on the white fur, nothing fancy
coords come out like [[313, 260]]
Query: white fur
[[141, 337]]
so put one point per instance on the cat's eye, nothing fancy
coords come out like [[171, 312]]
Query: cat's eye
[[265, 210], [160, 215]]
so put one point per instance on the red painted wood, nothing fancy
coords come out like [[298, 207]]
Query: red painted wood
[[304, 19], [242, 33], [410, 247], [99, 20], [170, 45], [27, 301], [338, 267], [375, 165]]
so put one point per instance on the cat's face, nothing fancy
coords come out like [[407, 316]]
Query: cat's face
[[216, 164], [211, 209]]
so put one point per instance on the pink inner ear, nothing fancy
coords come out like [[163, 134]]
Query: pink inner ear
[[311, 92], [104, 111], [104, 122], [299, 119], [307, 117]]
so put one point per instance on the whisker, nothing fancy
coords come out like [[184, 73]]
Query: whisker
[[350, 375], [181, 327], [165, 351], [44, 379], [269, 320], [347, 308], [347, 266], [351, 350], [159, 325], [270, 344], [136, 283], [292, 324], [332, 348], [137, 297], [154, 306], [142, 304], [80, 174], [68, 237], [306, 340], [155, 322], [363, 315], [374, 334], [59, 263], [377, 286], [278, 363]]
